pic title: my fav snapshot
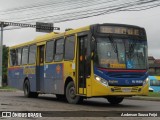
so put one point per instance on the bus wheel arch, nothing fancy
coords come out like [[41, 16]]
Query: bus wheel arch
[[68, 79], [70, 92], [26, 89], [62, 97]]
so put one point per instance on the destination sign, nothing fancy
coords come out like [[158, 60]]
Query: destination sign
[[119, 30]]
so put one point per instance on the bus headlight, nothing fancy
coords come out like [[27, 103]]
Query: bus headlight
[[101, 80], [145, 81]]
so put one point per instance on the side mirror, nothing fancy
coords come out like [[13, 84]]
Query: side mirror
[[92, 55], [93, 44]]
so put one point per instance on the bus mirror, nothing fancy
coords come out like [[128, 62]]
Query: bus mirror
[[92, 44], [92, 55]]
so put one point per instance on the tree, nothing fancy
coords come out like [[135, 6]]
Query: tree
[[5, 64]]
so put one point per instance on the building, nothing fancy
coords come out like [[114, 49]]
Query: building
[[154, 66], [154, 73]]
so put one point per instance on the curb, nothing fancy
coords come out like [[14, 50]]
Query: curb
[[7, 90], [145, 98]]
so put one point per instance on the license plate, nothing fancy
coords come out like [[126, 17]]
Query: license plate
[[126, 89]]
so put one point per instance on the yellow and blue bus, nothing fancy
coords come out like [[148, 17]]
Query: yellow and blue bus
[[100, 60], [154, 83]]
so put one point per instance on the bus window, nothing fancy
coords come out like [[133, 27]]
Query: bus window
[[19, 56], [154, 82], [69, 48], [25, 55], [32, 54], [41, 54], [59, 50], [13, 57], [50, 51]]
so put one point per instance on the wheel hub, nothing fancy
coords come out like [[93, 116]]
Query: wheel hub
[[72, 92]]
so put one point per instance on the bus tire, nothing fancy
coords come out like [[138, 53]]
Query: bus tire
[[71, 96], [27, 92], [115, 100], [26, 89]]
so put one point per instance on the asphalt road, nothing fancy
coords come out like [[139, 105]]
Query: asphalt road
[[15, 101]]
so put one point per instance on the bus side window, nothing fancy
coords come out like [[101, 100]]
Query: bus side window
[[32, 54], [69, 48], [19, 55], [50, 51], [25, 55], [41, 54], [13, 57], [59, 50]]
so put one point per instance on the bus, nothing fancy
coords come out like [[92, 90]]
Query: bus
[[154, 83], [101, 60]]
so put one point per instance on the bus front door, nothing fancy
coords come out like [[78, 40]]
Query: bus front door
[[40, 69], [82, 41]]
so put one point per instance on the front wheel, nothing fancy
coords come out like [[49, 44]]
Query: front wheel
[[71, 94], [115, 100]]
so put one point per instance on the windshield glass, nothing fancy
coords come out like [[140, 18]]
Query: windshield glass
[[121, 53]]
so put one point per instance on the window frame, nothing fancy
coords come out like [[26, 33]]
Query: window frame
[[154, 83], [21, 56], [54, 48], [29, 54], [10, 59], [73, 35], [61, 38]]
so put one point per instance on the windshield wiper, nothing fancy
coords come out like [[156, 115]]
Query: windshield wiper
[[114, 44], [131, 49]]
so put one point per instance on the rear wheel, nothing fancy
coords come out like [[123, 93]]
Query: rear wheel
[[71, 94], [115, 100], [27, 92]]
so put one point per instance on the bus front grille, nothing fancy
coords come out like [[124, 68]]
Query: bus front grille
[[124, 89]]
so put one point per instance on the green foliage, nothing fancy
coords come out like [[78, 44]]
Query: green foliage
[[7, 87], [5, 63], [154, 94]]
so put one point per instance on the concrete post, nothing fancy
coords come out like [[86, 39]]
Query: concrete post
[[1, 52]]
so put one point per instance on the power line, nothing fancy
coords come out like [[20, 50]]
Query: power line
[[79, 13], [94, 10], [71, 13], [25, 7], [73, 6]]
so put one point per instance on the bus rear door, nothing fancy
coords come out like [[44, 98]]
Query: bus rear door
[[40, 69]]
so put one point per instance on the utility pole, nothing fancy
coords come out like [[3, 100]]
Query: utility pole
[[2, 25], [1, 52]]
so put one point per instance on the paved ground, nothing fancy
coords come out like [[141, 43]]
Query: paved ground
[[15, 101]]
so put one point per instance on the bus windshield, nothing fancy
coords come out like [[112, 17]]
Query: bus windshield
[[121, 53]]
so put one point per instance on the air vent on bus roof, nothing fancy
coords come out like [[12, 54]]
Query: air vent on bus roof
[[68, 29], [56, 32]]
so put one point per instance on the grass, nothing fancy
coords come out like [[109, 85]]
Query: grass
[[154, 94], [8, 88]]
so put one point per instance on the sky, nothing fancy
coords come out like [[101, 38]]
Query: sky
[[149, 19]]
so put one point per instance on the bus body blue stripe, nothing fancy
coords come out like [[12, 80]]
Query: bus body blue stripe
[[123, 78]]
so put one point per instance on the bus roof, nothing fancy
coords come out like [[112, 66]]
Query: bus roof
[[53, 35], [50, 36]]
